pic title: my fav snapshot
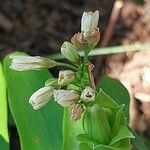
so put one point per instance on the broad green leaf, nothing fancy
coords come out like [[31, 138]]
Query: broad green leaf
[[123, 133], [116, 90], [70, 131], [38, 130], [4, 139]]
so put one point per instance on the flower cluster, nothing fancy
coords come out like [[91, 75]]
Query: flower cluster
[[74, 89], [104, 123]]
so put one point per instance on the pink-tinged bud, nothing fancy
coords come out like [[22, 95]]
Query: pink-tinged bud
[[66, 97], [65, 77], [93, 38], [76, 111], [88, 94], [78, 41]]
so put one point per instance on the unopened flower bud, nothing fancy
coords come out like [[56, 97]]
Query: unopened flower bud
[[41, 97], [96, 125], [78, 41], [65, 77], [93, 38], [89, 22], [21, 63], [88, 94], [51, 82], [76, 111], [70, 52], [66, 97]]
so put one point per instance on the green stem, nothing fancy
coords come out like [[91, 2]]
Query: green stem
[[67, 65], [109, 50]]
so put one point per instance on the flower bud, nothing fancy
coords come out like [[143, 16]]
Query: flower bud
[[76, 111], [51, 82], [70, 52], [78, 41], [88, 94], [93, 38], [65, 77], [89, 22], [96, 125], [21, 63], [41, 97], [66, 97]]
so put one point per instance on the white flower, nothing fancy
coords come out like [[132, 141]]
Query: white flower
[[21, 63], [66, 97], [88, 94], [70, 52], [89, 22], [65, 77], [41, 97]]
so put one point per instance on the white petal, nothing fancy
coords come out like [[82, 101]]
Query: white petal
[[42, 95]]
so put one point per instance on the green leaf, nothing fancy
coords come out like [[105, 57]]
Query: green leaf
[[70, 131], [123, 133], [85, 146], [116, 90], [4, 139], [104, 147], [104, 100], [38, 130], [83, 138], [119, 121]]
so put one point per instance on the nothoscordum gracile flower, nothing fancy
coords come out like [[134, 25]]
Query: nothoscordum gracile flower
[[66, 97], [65, 77], [88, 94], [70, 52], [21, 63], [89, 22], [41, 97]]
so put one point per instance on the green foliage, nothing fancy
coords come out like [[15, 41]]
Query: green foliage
[[116, 90], [70, 131], [38, 130], [4, 140], [105, 126]]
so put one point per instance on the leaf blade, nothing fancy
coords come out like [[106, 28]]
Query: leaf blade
[[37, 129], [4, 139]]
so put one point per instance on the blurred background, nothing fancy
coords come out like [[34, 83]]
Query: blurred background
[[39, 27]]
